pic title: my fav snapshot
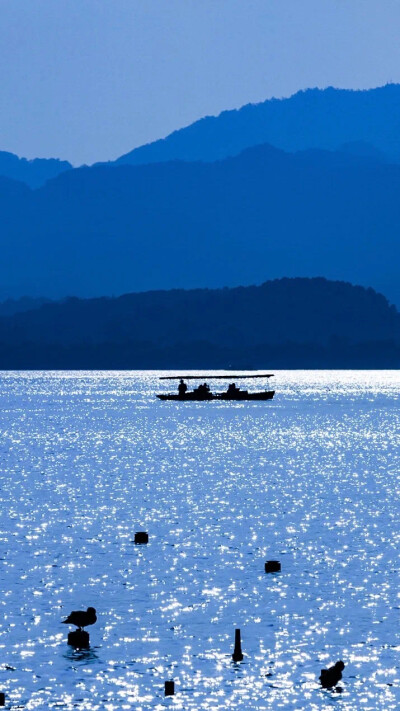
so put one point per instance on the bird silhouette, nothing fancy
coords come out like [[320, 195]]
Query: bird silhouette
[[80, 618], [330, 677]]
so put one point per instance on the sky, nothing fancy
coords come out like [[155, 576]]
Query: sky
[[89, 80]]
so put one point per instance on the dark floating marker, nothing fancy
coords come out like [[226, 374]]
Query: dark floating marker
[[330, 677], [272, 566], [2, 699], [169, 688], [141, 537], [79, 639], [237, 655]]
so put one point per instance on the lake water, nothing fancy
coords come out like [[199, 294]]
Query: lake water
[[311, 479]]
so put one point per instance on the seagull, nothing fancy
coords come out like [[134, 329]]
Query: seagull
[[80, 618]]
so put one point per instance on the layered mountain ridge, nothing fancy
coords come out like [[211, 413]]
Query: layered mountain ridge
[[282, 323], [230, 216], [33, 173], [262, 214], [315, 118]]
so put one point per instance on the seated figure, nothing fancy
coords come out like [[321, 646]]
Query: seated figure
[[232, 390], [182, 388], [203, 391]]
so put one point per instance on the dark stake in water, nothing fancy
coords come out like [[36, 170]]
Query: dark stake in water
[[169, 688]]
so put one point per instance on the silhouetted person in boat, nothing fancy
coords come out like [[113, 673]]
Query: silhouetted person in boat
[[203, 391], [81, 619], [330, 677], [233, 390], [182, 388]]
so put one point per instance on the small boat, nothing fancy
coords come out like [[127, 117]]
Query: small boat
[[203, 393]]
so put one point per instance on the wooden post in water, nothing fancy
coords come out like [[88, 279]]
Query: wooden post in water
[[79, 639], [2, 699], [169, 688], [237, 655]]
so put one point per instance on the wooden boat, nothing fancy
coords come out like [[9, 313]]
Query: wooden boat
[[243, 395], [203, 393]]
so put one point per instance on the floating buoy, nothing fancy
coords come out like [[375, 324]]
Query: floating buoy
[[237, 655], [169, 688], [79, 639], [272, 566], [2, 699], [141, 537]]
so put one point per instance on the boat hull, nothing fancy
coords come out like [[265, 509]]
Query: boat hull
[[264, 395], [238, 397]]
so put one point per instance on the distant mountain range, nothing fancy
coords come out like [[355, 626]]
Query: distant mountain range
[[359, 122], [188, 215], [32, 172], [9, 307], [330, 119], [283, 323], [264, 213]]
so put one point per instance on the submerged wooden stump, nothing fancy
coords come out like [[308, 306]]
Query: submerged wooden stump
[[79, 639], [169, 688]]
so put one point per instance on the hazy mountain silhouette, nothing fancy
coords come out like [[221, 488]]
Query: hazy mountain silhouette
[[315, 118], [264, 213], [363, 149], [32, 172], [296, 322], [9, 307]]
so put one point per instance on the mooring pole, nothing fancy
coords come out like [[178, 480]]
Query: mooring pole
[[169, 688], [237, 655]]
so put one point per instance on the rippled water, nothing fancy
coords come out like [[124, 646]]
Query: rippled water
[[311, 478]]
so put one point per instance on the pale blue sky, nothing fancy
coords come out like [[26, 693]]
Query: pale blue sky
[[88, 80]]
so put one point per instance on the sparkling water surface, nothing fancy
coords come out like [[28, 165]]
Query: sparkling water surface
[[311, 479]]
